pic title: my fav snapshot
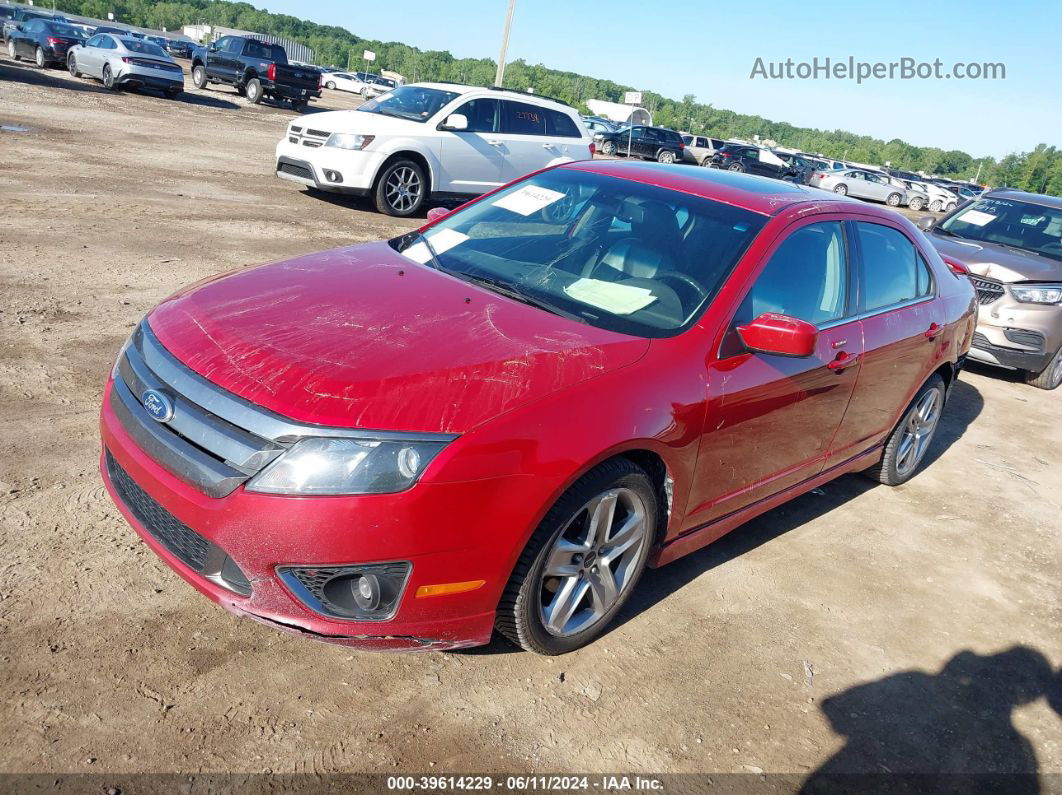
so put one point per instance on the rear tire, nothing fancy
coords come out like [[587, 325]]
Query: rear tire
[[737, 167], [253, 90], [199, 78], [400, 189], [172, 93], [1048, 378], [599, 577], [299, 105], [39, 59], [894, 199], [330, 85], [665, 156], [912, 437], [108, 77]]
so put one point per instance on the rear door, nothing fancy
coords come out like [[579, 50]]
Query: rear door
[[473, 160], [902, 332], [523, 135], [771, 419]]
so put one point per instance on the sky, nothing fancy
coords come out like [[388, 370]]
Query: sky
[[674, 49]]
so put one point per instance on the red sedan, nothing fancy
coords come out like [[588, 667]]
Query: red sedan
[[499, 420]]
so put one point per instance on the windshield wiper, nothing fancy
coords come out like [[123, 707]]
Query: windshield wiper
[[506, 289]]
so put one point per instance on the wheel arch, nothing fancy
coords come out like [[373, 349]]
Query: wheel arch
[[408, 154]]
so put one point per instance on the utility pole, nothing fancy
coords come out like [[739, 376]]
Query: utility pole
[[500, 74]]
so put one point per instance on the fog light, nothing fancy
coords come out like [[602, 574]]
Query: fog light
[[333, 176], [366, 591], [369, 592]]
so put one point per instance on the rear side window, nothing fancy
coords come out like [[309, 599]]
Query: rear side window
[[560, 124], [892, 269], [482, 115], [523, 119], [806, 278]]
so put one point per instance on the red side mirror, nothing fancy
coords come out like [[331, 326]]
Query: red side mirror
[[435, 213], [956, 266], [780, 335]]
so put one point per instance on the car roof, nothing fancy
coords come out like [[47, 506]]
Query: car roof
[[461, 88], [759, 194], [1053, 202]]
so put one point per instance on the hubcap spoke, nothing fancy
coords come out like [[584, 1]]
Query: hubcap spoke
[[562, 559], [603, 590], [568, 597], [601, 514], [625, 536]]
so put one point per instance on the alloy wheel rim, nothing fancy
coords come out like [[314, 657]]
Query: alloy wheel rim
[[593, 562], [918, 432], [11, 48], [403, 189], [40, 57], [1056, 370]]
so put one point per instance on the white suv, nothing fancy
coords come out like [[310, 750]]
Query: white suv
[[432, 140]]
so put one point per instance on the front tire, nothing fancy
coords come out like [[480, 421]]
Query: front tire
[[911, 438], [916, 204], [1048, 378], [172, 93], [39, 59], [841, 190], [253, 90], [936, 205], [608, 148], [12, 52], [400, 189], [949, 207], [583, 561], [71, 65], [199, 78]]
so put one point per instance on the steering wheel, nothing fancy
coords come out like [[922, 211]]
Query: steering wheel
[[687, 280]]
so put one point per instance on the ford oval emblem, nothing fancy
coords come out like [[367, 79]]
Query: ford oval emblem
[[158, 405]]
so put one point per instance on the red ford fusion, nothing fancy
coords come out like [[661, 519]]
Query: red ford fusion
[[499, 420]]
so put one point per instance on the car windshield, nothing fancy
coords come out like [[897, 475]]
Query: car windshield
[[416, 103], [616, 254], [63, 30], [144, 47], [1017, 224]]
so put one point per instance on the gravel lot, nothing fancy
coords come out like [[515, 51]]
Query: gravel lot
[[862, 624]]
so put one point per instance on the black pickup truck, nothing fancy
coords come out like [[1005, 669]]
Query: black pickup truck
[[257, 69]]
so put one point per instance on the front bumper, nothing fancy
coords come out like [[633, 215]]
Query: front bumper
[[307, 165], [1017, 336], [428, 526]]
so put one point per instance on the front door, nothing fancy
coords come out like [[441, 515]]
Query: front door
[[771, 419], [902, 334], [473, 160]]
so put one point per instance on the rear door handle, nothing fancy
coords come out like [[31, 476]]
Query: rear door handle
[[934, 331], [548, 146], [844, 361], [498, 144]]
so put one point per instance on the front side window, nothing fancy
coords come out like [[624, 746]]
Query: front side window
[[415, 103], [805, 278], [482, 115], [524, 119], [616, 254], [890, 266]]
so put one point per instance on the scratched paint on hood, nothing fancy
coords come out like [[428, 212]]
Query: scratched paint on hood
[[362, 337]]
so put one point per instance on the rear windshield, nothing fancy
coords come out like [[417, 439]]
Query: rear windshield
[[1015, 224], [612, 253], [144, 47], [60, 29]]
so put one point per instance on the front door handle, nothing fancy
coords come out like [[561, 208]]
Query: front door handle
[[498, 144], [934, 331], [548, 146], [843, 361]]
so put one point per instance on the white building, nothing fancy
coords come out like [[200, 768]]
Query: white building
[[626, 114]]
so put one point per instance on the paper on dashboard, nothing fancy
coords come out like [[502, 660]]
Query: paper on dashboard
[[619, 299], [528, 199], [443, 240]]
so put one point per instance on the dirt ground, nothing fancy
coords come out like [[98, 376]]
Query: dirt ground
[[913, 628]]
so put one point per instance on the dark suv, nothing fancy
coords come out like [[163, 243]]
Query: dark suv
[[649, 143], [752, 159]]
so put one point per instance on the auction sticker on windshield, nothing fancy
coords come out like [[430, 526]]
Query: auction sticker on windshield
[[976, 217], [443, 240], [619, 299], [528, 199]]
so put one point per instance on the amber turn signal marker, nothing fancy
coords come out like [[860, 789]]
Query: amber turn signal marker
[[448, 588]]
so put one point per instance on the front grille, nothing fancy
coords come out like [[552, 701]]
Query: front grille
[[317, 133], [988, 290], [181, 541], [295, 170]]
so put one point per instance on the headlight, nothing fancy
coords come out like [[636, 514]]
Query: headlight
[[346, 466], [1038, 293], [349, 140]]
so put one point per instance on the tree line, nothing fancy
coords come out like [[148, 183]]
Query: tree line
[[1039, 171]]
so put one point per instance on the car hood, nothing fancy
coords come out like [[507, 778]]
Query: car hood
[[999, 262], [361, 337], [362, 122]]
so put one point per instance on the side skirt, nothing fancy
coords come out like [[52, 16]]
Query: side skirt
[[703, 536]]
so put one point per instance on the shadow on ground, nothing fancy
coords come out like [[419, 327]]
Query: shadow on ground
[[945, 732]]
